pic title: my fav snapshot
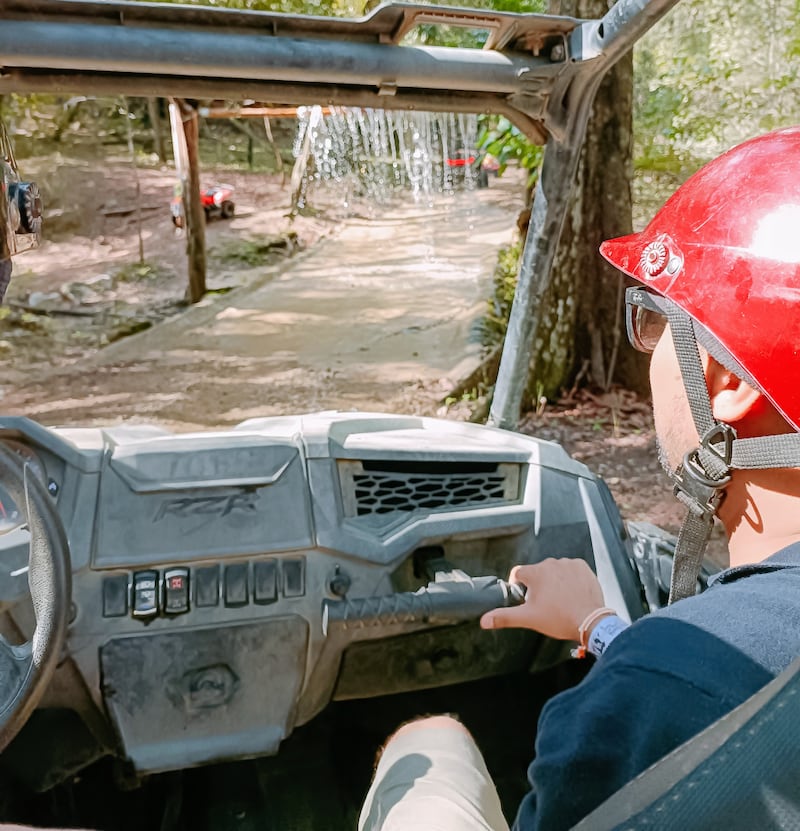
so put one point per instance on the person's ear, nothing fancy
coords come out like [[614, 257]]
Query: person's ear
[[731, 398]]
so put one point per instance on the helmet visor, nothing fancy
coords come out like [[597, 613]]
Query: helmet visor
[[645, 318]]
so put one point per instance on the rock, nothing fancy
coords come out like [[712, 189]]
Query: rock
[[38, 299], [100, 282], [81, 291], [66, 294]]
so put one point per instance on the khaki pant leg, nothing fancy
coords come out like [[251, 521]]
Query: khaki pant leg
[[432, 778]]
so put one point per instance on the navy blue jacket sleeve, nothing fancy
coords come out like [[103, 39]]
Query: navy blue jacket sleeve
[[659, 684]]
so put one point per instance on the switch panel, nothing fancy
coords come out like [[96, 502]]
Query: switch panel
[[206, 586], [294, 577], [176, 591], [145, 594], [115, 596], [236, 591], [265, 581]]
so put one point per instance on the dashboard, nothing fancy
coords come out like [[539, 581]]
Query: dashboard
[[202, 563]]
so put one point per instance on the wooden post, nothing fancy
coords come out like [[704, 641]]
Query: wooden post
[[186, 134]]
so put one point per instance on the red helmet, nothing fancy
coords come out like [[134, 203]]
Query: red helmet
[[725, 248]]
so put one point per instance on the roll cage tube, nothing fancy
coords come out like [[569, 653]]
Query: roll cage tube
[[603, 43], [540, 71]]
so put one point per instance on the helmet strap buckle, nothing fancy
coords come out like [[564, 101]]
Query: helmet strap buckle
[[697, 492], [719, 439], [705, 471], [700, 485]]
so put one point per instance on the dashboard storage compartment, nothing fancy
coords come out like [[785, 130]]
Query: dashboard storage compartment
[[185, 698]]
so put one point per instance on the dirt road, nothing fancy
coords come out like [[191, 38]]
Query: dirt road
[[379, 315]]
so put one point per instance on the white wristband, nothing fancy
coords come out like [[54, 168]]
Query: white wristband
[[604, 632]]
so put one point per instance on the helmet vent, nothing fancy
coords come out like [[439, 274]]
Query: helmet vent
[[654, 258]]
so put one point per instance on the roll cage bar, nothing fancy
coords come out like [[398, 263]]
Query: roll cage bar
[[540, 71]]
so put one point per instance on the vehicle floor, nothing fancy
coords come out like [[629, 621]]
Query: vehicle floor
[[318, 780]]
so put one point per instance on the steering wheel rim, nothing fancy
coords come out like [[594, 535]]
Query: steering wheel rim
[[26, 670]]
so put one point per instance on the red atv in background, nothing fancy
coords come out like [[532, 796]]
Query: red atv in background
[[217, 201], [472, 165]]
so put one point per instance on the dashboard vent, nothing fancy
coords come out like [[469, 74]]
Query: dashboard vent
[[384, 487]]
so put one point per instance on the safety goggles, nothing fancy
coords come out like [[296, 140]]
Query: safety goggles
[[645, 317]]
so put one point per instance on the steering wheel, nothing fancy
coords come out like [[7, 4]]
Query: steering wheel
[[26, 670]]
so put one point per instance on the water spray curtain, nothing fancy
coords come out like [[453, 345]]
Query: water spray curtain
[[376, 152]]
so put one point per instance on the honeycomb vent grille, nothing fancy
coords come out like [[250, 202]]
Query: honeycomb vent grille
[[390, 487]]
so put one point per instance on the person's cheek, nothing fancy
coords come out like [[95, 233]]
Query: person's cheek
[[662, 376]]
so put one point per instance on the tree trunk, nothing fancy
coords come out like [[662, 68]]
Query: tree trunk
[[193, 209], [582, 328], [132, 154], [154, 114], [275, 149]]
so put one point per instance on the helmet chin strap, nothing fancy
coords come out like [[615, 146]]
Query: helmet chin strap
[[701, 479]]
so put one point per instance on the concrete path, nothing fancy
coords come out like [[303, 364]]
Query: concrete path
[[380, 316]]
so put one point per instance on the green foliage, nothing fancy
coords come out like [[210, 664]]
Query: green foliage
[[711, 74], [504, 282], [501, 139], [37, 122], [140, 272], [20, 319], [251, 252]]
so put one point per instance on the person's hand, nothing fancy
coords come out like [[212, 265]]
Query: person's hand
[[560, 595]]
